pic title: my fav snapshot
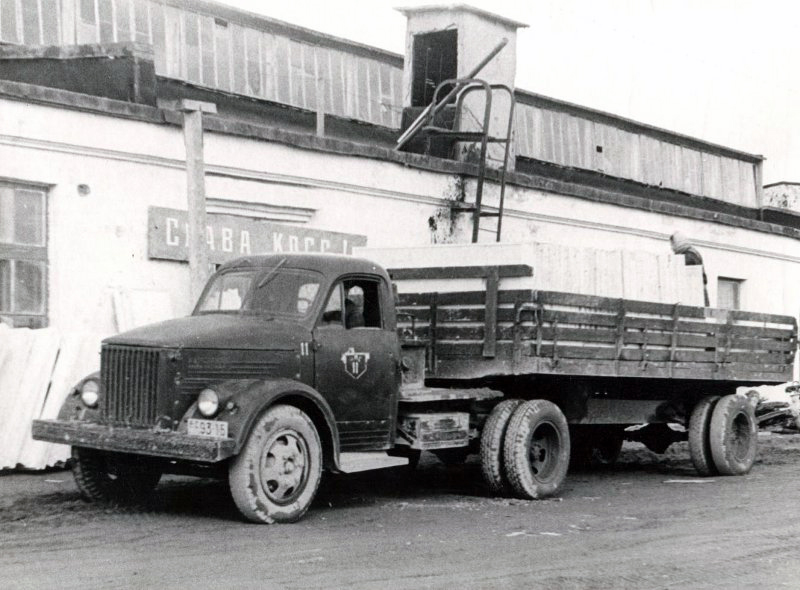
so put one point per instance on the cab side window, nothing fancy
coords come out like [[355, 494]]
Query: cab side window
[[354, 303], [362, 303]]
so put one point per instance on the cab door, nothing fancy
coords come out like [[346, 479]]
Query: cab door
[[356, 363]]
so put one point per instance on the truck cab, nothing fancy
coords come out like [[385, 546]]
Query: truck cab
[[311, 335]]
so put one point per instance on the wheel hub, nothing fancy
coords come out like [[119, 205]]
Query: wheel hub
[[544, 446], [284, 466]]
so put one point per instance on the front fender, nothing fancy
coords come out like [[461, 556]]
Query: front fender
[[74, 409], [242, 402]]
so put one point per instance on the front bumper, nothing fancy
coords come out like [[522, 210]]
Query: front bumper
[[122, 439]]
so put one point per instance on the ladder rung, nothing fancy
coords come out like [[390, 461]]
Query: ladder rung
[[443, 132], [497, 214]]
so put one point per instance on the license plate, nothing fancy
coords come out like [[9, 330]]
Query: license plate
[[210, 428]]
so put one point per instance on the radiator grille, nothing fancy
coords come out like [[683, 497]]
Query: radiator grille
[[130, 380]]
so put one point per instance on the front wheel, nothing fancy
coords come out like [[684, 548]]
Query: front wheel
[[276, 476], [536, 449], [104, 477]]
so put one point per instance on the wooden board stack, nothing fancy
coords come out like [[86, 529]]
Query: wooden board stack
[[37, 370], [644, 276]]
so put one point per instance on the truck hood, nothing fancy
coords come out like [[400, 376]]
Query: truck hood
[[220, 331]]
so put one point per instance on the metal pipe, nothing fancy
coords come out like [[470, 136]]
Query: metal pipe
[[432, 109]]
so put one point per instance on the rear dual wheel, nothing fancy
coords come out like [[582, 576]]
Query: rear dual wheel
[[723, 435], [525, 449]]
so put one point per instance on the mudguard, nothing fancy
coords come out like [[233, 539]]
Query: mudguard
[[242, 402], [73, 408]]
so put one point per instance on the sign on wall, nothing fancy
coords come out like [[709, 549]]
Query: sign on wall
[[230, 236]]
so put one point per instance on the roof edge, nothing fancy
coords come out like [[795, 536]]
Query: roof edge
[[534, 99], [409, 10], [267, 24]]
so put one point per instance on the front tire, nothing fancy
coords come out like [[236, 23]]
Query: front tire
[[537, 449], [733, 435], [276, 476], [106, 477]]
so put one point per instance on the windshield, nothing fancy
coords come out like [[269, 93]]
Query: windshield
[[274, 291]]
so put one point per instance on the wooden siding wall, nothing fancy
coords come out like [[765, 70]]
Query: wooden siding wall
[[215, 53], [211, 52], [566, 139]]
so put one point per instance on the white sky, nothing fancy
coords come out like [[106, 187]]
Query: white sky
[[726, 71]]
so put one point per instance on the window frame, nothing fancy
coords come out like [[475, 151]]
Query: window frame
[[737, 291], [36, 254], [339, 285]]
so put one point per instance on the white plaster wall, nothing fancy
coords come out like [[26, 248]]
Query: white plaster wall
[[98, 242]]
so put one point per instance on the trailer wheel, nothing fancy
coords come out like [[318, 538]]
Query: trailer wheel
[[105, 477], [733, 435], [492, 438], [699, 442], [536, 449], [276, 476]]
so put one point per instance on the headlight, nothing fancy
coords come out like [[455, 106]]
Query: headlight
[[208, 402], [90, 393]]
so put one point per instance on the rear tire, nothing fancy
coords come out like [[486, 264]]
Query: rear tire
[[108, 477], [733, 435], [699, 442], [492, 439], [537, 449], [276, 476]]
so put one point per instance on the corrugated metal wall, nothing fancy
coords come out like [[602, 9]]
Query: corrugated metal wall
[[571, 140]]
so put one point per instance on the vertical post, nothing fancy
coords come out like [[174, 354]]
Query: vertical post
[[758, 169], [196, 191], [320, 106]]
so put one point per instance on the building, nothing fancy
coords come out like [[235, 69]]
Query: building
[[300, 157]]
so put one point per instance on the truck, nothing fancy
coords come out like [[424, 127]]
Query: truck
[[295, 364]]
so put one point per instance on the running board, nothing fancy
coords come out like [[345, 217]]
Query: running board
[[355, 462]]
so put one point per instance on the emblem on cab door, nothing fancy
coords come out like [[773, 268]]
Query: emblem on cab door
[[355, 363]]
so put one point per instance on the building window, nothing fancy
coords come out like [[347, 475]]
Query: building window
[[29, 22], [23, 255], [729, 293]]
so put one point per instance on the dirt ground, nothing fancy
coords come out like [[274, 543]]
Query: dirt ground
[[648, 522]]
